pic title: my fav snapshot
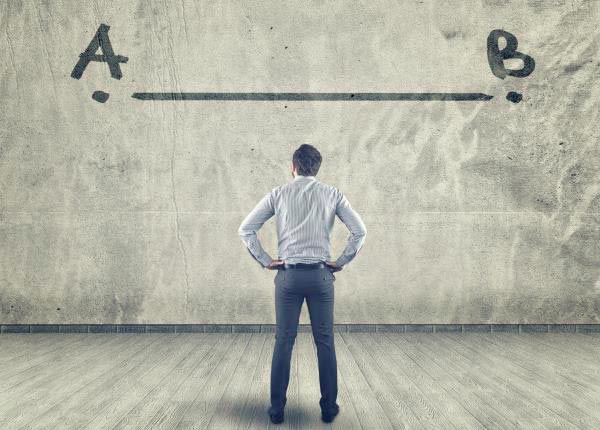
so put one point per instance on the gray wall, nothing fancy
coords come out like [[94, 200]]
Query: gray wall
[[127, 211]]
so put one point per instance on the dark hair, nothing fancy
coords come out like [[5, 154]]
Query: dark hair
[[307, 160]]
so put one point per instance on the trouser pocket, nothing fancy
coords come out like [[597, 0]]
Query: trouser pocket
[[280, 276], [328, 275]]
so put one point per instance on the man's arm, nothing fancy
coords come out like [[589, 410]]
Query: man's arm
[[355, 224], [264, 210]]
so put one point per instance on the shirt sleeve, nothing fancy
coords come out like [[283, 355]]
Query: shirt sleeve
[[264, 210], [355, 224]]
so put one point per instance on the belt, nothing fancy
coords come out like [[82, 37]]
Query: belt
[[303, 265]]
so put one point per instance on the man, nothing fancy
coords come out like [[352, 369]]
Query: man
[[305, 211]]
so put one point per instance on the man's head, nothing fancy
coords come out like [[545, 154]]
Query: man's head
[[306, 161]]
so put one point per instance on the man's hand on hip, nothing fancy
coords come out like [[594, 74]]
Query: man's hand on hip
[[274, 264], [333, 266]]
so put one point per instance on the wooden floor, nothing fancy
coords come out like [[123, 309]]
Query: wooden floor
[[221, 381]]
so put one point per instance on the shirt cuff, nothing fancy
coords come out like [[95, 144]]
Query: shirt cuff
[[342, 260], [265, 260]]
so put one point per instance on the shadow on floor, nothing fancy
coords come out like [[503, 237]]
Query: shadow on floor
[[256, 410]]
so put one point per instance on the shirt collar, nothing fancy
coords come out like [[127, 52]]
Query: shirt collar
[[301, 176]]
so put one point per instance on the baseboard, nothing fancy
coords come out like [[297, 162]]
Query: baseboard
[[270, 328]]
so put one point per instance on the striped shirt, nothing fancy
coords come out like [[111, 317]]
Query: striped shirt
[[305, 211]]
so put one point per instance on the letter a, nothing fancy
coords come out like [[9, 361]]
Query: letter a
[[101, 41]]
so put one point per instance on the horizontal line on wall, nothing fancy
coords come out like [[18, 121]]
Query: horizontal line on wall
[[244, 212], [328, 97], [270, 328]]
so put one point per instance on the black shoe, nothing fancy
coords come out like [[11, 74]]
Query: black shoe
[[276, 418], [328, 416], [276, 413]]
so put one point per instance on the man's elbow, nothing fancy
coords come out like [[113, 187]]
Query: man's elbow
[[243, 231], [359, 236]]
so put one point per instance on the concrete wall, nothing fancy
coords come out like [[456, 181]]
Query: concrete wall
[[127, 211]]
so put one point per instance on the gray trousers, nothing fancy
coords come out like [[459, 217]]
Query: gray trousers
[[292, 286]]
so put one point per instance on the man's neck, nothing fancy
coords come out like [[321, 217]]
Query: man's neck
[[302, 176]]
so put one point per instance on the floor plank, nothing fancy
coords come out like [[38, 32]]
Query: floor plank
[[252, 404], [221, 381], [561, 357], [347, 419], [207, 401], [370, 413], [259, 418], [47, 386], [172, 411], [235, 392], [504, 366], [143, 385], [431, 382], [78, 407], [142, 413], [395, 401], [491, 402], [27, 345], [32, 356], [415, 409]]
